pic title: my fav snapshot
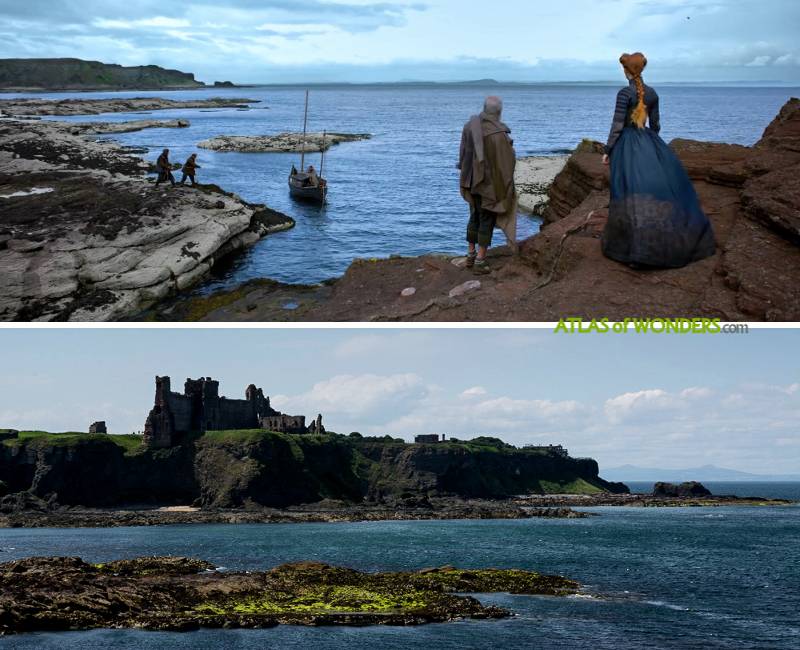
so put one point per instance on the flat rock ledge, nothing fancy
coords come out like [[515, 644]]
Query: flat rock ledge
[[280, 143], [37, 107], [85, 236], [182, 594], [533, 177]]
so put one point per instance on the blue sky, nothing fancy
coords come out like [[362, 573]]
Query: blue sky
[[675, 401], [364, 40]]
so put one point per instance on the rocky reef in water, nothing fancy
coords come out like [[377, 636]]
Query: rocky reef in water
[[685, 489], [751, 195], [85, 235], [280, 142], [26, 107], [181, 594], [77, 74], [260, 469]]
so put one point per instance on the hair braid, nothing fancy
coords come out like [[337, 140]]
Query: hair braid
[[639, 115]]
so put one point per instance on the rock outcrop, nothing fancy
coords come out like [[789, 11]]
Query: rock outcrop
[[180, 594], [534, 177], [84, 236], [77, 74], [686, 489], [280, 142]]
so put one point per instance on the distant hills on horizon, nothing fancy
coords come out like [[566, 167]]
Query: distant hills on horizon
[[69, 74], [705, 473]]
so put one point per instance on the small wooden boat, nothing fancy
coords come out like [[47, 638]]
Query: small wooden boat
[[307, 184]]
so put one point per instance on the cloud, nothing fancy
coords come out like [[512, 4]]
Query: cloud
[[475, 391], [367, 395], [759, 61], [359, 40]]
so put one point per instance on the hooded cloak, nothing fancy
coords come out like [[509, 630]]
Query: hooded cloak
[[487, 161]]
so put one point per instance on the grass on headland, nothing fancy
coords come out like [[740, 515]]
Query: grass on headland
[[130, 442]]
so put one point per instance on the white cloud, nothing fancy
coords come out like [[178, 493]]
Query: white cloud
[[628, 405], [475, 391], [759, 61], [358, 395], [157, 22]]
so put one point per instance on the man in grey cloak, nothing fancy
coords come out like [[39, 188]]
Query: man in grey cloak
[[487, 161]]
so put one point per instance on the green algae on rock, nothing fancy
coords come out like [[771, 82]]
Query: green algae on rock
[[167, 593]]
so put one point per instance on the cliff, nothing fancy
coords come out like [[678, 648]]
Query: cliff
[[76, 74], [241, 468]]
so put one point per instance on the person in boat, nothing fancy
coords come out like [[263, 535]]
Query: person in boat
[[190, 169], [655, 219], [313, 179], [487, 161], [164, 169]]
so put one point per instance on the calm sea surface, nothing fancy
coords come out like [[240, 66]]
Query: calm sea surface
[[398, 193], [722, 577]]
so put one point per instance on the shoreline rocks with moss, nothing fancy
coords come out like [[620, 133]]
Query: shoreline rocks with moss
[[280, 142], [181, 594]]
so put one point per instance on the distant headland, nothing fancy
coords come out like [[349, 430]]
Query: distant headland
[[80, 75]]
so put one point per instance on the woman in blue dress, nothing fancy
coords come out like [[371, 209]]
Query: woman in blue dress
[[655, 218]]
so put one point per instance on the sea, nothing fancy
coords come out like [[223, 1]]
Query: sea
[[722, 577], [397, 194]]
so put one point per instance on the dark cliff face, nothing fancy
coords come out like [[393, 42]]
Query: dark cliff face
[[76, 74], [463, 470], [235, 469]]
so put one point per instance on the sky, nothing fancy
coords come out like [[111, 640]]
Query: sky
[[648, 400], [261, 41]]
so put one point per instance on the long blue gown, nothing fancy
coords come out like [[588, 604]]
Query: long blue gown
[[655, 218]]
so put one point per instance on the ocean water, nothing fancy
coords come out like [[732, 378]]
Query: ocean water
[[768, 489], [397, 194], [722, 577]]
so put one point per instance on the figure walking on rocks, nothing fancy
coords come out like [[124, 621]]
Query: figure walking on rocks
[[654, 218], [487, 161], [190, 169], [164, 168]]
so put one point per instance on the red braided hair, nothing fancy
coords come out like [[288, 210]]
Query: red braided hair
[[634, 64]]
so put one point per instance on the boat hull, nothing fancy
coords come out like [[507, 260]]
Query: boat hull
[[313, 193]]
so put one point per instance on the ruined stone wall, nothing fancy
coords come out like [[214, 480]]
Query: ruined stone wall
[[236, 414], [284, 423], [181, 408]]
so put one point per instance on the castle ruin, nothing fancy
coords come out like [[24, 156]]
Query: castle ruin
[[200, 408]]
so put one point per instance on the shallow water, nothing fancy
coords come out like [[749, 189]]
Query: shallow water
[[654, 578], [398, 193]]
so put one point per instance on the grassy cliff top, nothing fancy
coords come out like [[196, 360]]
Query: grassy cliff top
[[128, 442]]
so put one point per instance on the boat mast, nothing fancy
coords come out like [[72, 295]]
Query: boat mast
[[305, 125], [322, 160]]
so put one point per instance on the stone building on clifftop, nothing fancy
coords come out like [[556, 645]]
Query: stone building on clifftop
[[200, 408]]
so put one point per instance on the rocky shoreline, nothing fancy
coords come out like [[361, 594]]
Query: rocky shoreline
[[63, 107], [280, 142], [643, 501], [85, 235], [182, 594], [39, 514], [752, 197]]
